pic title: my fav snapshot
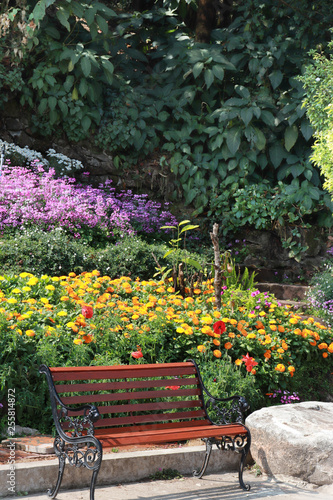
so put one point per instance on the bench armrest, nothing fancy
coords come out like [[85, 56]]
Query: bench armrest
[[225, 414], [76, 424]]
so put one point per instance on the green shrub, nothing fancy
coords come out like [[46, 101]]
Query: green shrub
[[320, 295]]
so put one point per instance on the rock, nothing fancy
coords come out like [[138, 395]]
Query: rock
[[20, 431], [294, 440]]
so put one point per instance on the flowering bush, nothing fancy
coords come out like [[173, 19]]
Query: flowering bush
[[320, 295], [34, 197], [92, 319]]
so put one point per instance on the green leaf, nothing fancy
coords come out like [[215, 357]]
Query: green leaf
[[218, 72], [42, 106], [83, 87], [233, 139], [193, 263], [246, 115], [64, 108], [197, 69], [69, 83], [276, 154], [209, 78], [75, 94], [86, 122], [102, 24], [85, 65], [290, 137], [169, 252], [63, 16], [188, 228], [260, 139], [52, 101], [276, 78], [306, 129]]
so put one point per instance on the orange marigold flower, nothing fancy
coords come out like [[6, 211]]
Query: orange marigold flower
[[280, 368], [284, 345], [330, 348], [77, 341], [231, 335], [30, 333], [325, 354], [216, 342], [323, 345], [238, 362], [273, 327], [217, 353], [298, 331], [281, 328], [228, 345], [267, 354], [201, 348], [260, 325], [313, 343]]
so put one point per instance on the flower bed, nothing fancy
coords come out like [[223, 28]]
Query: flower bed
[[92, 319]]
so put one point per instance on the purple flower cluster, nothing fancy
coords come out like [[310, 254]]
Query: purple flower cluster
[[284, 397], [32, 196]]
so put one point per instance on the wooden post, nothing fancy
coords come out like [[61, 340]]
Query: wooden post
[[217, 266]]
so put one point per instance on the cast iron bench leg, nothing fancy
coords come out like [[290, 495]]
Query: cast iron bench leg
[[209, 446], [245, 452], [53, 493]]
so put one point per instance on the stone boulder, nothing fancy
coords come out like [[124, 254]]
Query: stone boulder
[[294, 440]]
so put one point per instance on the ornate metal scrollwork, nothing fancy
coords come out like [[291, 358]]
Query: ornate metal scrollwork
[[84, 454], [81, 422]]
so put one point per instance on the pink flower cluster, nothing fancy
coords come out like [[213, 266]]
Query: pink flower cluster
[[33, 196]]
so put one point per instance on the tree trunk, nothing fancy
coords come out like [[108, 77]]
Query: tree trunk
[[206, 20], [217, 266]]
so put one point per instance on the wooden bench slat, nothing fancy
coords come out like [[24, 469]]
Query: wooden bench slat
[[150, 417], [121, 371], [130, 384], [127, 396]]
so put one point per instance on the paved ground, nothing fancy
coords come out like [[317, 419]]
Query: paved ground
[[211, 487]]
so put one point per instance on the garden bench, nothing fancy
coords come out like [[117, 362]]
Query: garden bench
[[96, 406]]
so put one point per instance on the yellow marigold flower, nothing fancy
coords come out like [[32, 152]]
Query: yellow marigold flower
[[280, 351], [180, 330], [280, 368], [44, 300], [26, 289], [261, 331], [251, 315], [19, 331], [12, 301], [291, 369], [228, 345], [238, 362], [55, 278], [298, 331], [16, 290], [330, 348], [201, 348], [64, 298], [233, 322], [293, 321], [50, 287], [262, 313], [225, 320], [217, 353], [323, 345], [207, 320], [30, 333], [62, 313], [216, 314], [77, 341], [273, 327], [33, 281], [22, 275], [251, 336]]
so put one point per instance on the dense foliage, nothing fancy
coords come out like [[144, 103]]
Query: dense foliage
[[91, 319], [220, 115], [318, 84]]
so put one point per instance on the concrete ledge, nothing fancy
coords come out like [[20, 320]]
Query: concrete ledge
[[116, 468]]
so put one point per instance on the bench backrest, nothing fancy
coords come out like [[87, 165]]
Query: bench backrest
[[134, 394]]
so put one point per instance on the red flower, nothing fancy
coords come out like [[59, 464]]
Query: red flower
[[87, 312], [137, 354], [250, 363], [173, 387], [219, 327]]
